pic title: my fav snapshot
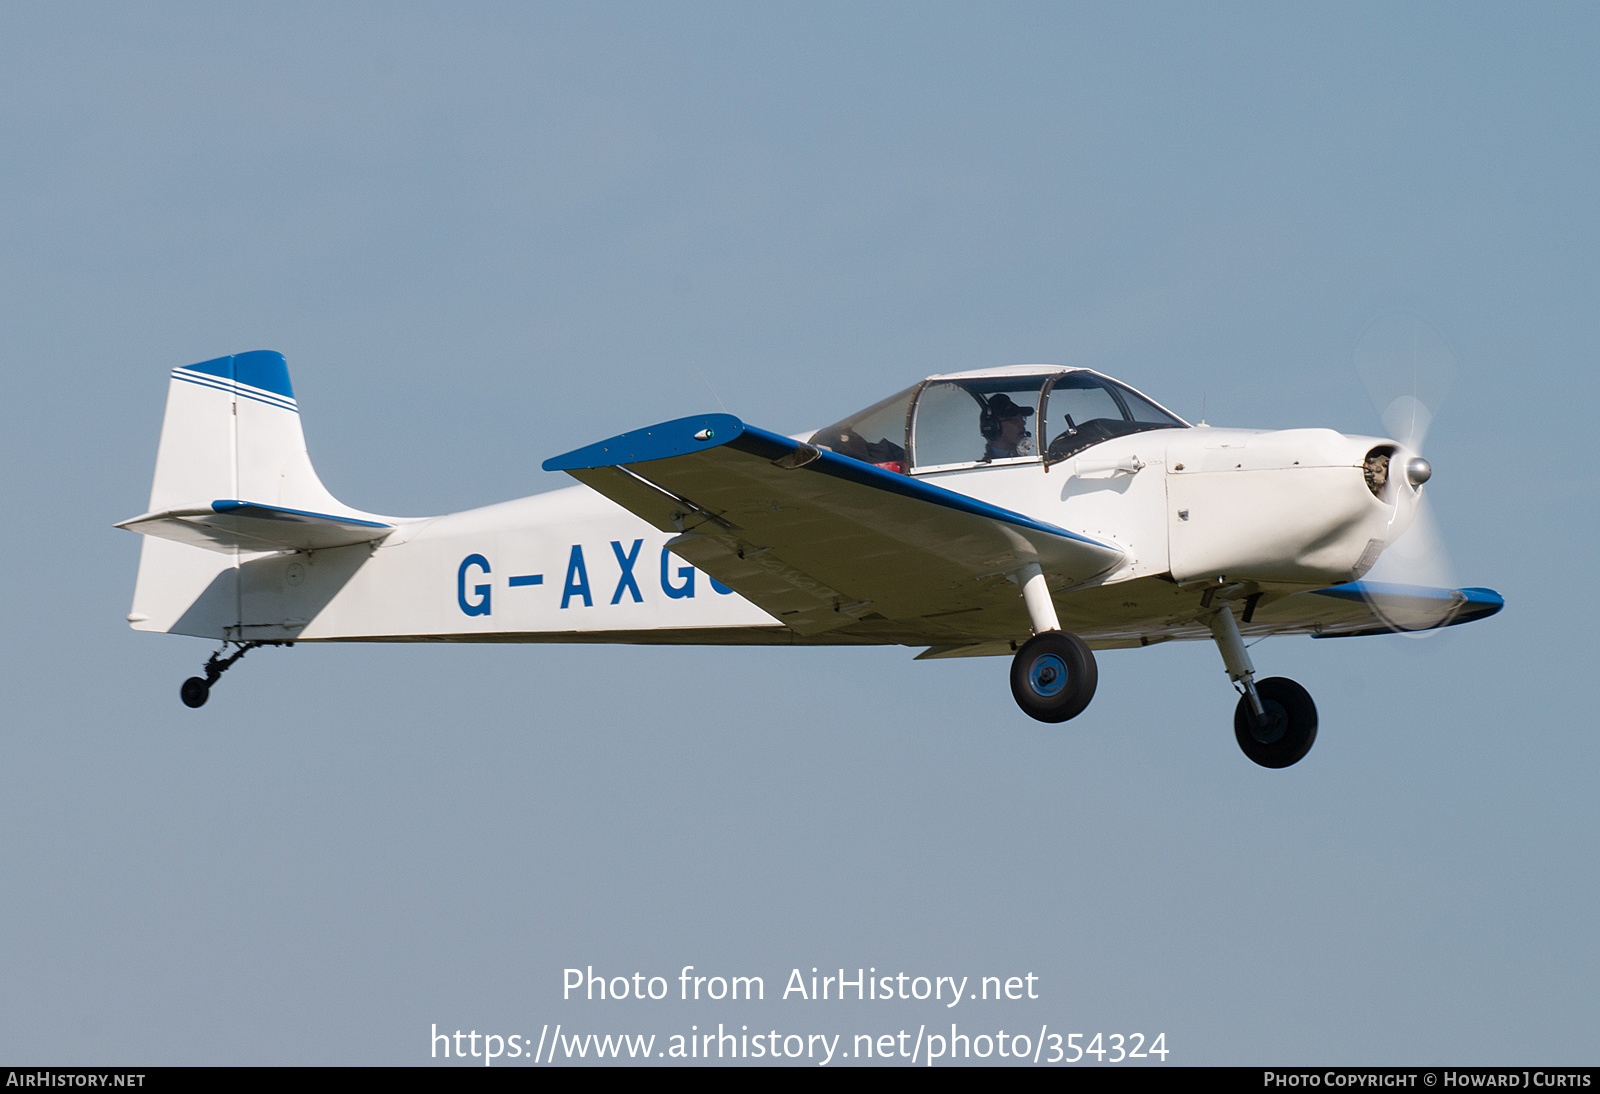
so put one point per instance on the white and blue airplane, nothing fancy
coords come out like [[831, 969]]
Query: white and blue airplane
[[1034, 511]]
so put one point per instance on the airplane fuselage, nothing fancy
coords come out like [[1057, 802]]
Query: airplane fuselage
[[1284, 510]]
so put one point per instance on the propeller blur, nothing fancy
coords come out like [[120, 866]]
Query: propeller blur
[[1408, 370]]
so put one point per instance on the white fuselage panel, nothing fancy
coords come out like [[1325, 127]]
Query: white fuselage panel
[[566, 561]]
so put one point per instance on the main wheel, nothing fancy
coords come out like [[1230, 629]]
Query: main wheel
[[195, 692], [1288, 728], [1053, 676]]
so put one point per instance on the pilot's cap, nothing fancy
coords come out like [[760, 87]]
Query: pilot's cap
[[1002, 408]]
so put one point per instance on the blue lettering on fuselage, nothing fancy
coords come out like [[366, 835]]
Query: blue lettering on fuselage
[[476, 598], [577, 579], [676, 592], [481, 605], [626, 582]]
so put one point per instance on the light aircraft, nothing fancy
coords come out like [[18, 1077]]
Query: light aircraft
[[1038, 512]]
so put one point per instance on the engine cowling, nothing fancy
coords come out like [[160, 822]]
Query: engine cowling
[[1294, 507]]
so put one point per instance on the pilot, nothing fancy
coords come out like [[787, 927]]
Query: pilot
[[1004, 426]]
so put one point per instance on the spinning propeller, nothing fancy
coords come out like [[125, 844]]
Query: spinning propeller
[[1408, 370]]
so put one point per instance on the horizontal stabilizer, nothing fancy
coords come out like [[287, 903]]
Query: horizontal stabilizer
[[822, 541], [225, 525]]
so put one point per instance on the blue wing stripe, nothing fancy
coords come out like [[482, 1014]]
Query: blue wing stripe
[[657, 442], [759, 442], [688, 435], [1480, 603], [1360, 590]]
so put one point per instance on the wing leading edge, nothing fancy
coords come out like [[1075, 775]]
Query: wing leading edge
[[821, 541]]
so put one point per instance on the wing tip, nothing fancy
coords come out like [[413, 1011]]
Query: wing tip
[[1478, 603], [679, 437]]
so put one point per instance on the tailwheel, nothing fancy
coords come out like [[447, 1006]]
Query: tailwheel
[[1286, 728], [197, 689], [1053, 676], [194, 692]]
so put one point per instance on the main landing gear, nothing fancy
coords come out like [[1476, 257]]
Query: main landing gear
[[1275, 722], [195, 690], [1053, 676]]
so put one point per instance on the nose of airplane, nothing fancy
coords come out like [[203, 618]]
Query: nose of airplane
[[1418, 471]]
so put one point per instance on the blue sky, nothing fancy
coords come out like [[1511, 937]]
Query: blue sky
[[487, 234]]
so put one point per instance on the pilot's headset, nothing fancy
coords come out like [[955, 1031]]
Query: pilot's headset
[[988, 421], [996, 408]]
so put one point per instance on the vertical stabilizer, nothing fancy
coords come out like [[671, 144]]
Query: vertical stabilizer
[[231, 435], [232, 431]]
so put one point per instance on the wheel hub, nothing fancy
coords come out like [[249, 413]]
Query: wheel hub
[[1048, 675], [1271, 724]]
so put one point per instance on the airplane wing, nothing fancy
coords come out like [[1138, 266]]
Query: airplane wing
[[1374, 607], [224, 525], [820, 540]]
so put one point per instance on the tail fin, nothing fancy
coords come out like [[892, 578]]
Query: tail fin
[[233, 431], [232, 476]]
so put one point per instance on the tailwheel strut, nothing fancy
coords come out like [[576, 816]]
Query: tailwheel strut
[[196, 690]]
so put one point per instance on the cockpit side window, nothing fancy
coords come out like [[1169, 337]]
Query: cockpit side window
[[985, 420], [876, 435]]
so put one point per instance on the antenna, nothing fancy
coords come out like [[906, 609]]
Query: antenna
[[1202, 408], [709, 388]]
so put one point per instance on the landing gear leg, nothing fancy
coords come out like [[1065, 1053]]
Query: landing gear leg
[[1053, 676], [1275, 722], [195, 690]]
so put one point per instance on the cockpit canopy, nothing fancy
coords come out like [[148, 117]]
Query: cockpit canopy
[[995, 416]]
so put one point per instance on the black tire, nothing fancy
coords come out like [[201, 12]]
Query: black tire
[[1053, 676], [1291, 727], [195, 692]]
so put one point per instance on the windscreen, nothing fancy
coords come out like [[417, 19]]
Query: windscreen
[[1083, 409], [876, 435]]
